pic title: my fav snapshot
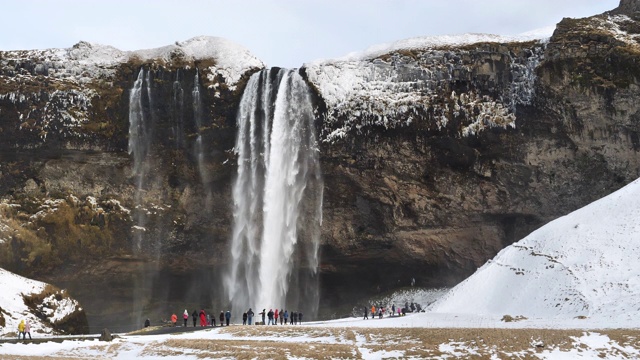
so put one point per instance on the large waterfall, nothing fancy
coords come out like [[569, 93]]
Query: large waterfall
[[277, 197]]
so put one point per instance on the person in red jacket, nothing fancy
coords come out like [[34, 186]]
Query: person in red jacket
[[275, 316], [203, 318]]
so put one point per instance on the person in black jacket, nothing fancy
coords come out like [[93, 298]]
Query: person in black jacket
[[194, 316], [244, 318]]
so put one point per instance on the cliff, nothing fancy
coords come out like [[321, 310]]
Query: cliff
[[435, 153]]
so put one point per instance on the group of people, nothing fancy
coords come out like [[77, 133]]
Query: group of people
[[293, 318], [204, 318], [382, 310], [24, 328]]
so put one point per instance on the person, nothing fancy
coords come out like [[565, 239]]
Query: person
[[227, 316], [27, 329], [194, 316], [213, 320], [393, 309], [21, 330], [147, 323], [221, 318], [174, 319], [294, 317], [373, 311], [286, 316], [281, 316], [203, 318], [413, 281], [379, 313], [263, 313], [249, 316], [366, 313], [185, 316], [399, 312], [404, 311], [299, 317], [270, 316], [244, 318], [276, 315]]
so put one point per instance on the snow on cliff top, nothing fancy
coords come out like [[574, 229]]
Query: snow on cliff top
[[439, 41], [581, 266], [14, 309], [231, 60]]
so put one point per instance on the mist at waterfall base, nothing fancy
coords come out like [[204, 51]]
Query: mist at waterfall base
[[277, 198]]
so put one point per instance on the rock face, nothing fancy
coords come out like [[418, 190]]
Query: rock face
[[434, 156]]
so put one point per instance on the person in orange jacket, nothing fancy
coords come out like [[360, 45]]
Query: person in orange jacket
[[373, 311], [174, 319]]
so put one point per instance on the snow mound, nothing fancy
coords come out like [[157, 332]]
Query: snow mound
[[580, 266], [231, 60], [54, 307]]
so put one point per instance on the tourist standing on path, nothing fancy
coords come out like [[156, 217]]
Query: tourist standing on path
[[174, 319], [221, 318], [294, 317], [270, 316], [203, 318], [185, 316], [281, 316], [300, 318], [27, 329], [263, 313], [227, 316], [286, 316], [393, 310], [373, 311], [244, 318], [275, 317], [250, 316], [21, 330], [366, 314], [194, 316]]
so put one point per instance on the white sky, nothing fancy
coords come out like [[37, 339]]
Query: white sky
[[281, 33]]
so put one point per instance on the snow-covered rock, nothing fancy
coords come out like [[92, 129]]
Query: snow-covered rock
[[581, 266], [439, 78], [47, 308]]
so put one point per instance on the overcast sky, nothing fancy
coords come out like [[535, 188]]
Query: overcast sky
[[281, 33]]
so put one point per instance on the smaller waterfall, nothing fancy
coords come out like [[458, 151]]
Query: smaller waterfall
[[178, 117], [197, 117], [139, 142]]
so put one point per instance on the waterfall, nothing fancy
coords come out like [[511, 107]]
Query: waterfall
[[139, 142], [277, 197], [197, 116], [178, 117]]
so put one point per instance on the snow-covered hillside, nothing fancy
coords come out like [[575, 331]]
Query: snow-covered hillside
[[584, 266], [46, 301]]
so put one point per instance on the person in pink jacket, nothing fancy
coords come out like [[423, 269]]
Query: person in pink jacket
[[185, 316], [27, 330]]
